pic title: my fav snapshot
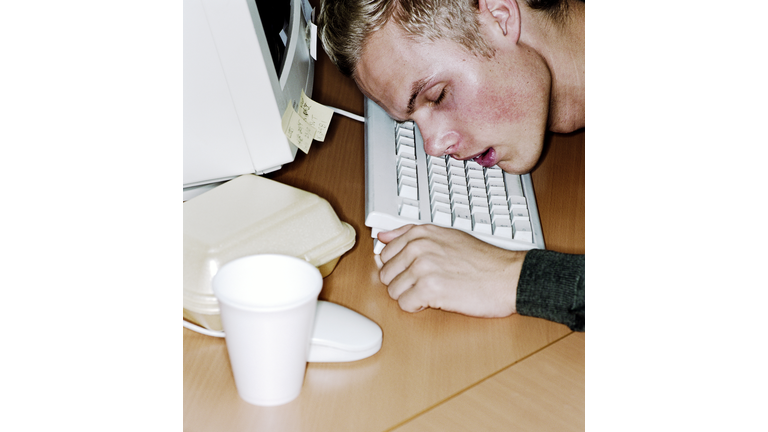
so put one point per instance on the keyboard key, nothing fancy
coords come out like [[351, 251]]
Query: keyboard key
[[406, 171], [496, 183], [378, 246], [519, 213], [436, 161], [479, 202], [405, 141], [442, 216], [404, 132], [522, 231], [517, 201], [480, 207], [407, 151], [500, 195], [462, 219], [454, 171], [475, 175], [409, 211], [439, 188], [482, 223], [459, 201], [440, 199], [514, 187], [473, 166], [438, 179], [407, 188], [479, 193], [476, 183], [458, 181], [497, 213], [401, 162], [455, 163], [498, 201], [502, 228], [494, 173], [435, 169]]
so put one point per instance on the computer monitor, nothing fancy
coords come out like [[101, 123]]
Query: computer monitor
[[244, 62]]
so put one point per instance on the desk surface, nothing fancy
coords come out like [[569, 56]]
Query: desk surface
[[436, 370]]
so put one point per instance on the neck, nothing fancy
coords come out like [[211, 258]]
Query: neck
[[562, 47]]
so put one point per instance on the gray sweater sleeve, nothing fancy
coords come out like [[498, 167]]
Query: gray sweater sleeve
[[551, 286]]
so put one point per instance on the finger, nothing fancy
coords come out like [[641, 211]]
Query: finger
[[393, 267], [411, 301], [406, 250], [401, 282], [421, 288], [394, 241], [420, 275], [402, 239], [388, 236], [400, 253]]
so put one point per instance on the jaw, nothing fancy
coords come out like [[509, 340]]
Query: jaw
[[524, 162]]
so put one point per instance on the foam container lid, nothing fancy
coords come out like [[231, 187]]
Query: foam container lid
[[252, 215]]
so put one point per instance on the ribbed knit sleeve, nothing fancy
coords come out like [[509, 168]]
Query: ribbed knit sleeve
[[551, 286]]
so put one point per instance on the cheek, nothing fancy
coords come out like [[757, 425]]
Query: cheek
[[489, 109]]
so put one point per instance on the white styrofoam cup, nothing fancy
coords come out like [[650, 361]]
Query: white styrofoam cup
[[268, 307]]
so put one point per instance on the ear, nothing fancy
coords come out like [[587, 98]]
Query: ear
[[502, 13]]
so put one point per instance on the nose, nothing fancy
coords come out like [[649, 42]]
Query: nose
[[437, 141]]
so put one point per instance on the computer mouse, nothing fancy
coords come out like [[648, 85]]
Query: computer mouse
[[342, 335]]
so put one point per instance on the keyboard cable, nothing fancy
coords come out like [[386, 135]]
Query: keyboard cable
[[348, 114]]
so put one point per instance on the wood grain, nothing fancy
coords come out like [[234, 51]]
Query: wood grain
[[544, 392], [426, 358]]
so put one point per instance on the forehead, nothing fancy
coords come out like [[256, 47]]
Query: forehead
[[392, 64]]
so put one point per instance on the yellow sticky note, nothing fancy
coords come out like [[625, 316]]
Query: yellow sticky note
[[317, 115], [298, 131]]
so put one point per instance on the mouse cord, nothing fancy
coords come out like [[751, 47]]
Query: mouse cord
[[201, 330]]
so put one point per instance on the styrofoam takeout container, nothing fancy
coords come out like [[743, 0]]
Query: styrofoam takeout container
[[254, 215]]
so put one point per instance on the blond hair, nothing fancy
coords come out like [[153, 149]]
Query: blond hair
[[346, 25]]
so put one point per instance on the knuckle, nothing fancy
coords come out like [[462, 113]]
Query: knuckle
[[409, 306], [423, 266]]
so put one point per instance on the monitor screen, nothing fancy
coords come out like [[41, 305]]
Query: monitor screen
[[275, 19]]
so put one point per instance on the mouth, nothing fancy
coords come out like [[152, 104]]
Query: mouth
[[485, 159]]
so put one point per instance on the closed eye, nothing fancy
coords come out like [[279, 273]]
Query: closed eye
[[440, 98]]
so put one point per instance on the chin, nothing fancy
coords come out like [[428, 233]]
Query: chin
[[524, 163], [517, 167], [566, 126]]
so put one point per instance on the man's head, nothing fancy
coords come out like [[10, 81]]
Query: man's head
[[346, 25], [458, 68]]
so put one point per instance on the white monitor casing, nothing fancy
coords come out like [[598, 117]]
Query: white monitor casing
[[233, 98]]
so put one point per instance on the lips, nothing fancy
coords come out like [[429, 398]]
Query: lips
[[487, 158]]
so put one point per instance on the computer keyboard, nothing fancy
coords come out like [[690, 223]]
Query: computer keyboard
[[404, 185]]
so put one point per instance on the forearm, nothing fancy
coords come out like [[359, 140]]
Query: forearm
[[551, 286]]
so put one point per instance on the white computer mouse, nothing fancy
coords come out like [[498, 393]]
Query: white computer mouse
[[342, 335]]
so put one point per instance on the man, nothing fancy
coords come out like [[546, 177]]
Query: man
[[483, 81]]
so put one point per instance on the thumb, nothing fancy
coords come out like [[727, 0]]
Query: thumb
[[388, 236]]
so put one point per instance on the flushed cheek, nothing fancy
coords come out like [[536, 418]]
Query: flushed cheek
[[490, 110], [502, 122]]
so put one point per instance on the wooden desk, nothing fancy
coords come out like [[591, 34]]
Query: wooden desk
[[436, 370]]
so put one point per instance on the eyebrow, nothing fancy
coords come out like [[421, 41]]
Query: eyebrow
[[416, 88]]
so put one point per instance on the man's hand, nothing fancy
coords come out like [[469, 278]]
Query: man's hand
[[442, 268]]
